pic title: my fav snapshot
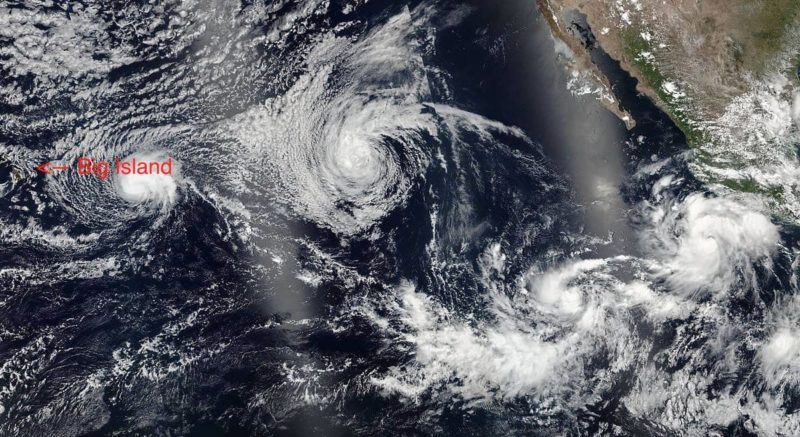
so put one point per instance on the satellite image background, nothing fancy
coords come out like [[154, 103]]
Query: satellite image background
[[400, 218]]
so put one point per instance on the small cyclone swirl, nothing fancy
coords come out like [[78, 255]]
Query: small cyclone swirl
[[148, 190], [119, 199]]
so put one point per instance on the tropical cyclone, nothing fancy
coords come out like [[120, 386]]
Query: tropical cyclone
[[724, 70]]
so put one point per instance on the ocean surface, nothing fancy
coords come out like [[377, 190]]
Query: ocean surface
[[386, 218]]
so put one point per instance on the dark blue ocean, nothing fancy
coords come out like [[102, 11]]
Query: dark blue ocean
[[392, 218]]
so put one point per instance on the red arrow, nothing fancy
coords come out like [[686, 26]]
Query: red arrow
[[43, 168], [46, 167]]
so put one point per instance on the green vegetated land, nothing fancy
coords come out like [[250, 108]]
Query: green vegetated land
[[634, 45], [760, 38]]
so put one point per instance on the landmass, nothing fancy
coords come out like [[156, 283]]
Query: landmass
[[725, 71]]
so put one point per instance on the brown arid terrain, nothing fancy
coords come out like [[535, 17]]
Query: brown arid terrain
[[726, 71]]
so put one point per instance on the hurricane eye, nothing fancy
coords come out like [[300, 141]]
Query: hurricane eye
[[148, 186]]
